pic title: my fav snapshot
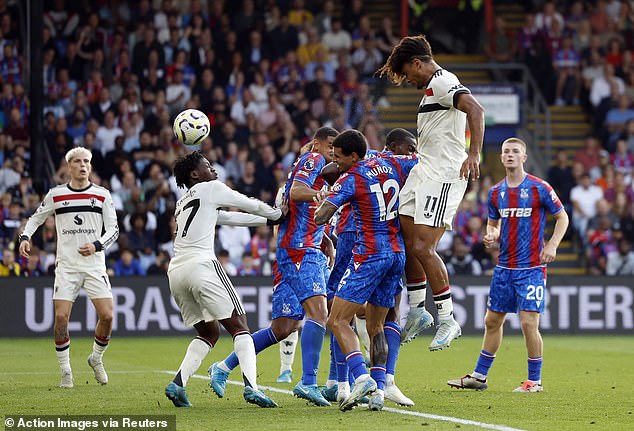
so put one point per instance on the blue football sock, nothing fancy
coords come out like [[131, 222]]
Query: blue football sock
[[312, 340], [261, 340], [535, 369], [377, 372], [484, 362], [332, 371], [356, 364], [340, 361], [392, 332]]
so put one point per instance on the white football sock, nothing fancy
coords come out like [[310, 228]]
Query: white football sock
[[196, 353], [62, 350], [287, 352], [245, 351], [362, 331]]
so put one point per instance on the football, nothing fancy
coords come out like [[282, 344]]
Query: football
[[191, 127]]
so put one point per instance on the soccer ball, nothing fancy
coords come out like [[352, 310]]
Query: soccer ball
[[191, 127]]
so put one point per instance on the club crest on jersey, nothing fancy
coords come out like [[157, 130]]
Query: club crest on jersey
[[93, 201], [309, 164], [316, 287], [524, 194], [286, 308], [65, 203]]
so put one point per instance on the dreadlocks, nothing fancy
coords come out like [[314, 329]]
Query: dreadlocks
[[408, 49]]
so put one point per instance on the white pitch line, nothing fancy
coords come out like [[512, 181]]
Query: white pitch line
[[387, 409]]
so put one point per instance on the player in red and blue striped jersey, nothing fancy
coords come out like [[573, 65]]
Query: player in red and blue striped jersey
[[517, 217], [371, 186], [400, 142], [300, 274]]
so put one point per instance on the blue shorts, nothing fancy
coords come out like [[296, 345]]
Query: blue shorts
[[285, 303], [345, 244], [514, 290], [375, 280], [305, 271]]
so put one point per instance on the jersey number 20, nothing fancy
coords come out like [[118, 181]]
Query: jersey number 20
[[386, 213]]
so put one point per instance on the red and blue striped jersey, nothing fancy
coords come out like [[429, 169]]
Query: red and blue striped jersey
[[371, 187], [523, 213], [345, 221], [299, 230]]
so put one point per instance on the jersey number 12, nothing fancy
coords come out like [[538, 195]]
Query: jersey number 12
[[386, 212]]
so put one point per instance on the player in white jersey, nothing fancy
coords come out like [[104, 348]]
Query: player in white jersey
[[86, 224], [199, 284], [435, 187]]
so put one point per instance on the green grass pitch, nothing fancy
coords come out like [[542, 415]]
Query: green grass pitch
[[588, 385]]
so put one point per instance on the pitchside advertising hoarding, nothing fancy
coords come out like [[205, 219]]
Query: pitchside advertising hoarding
[[144, 306]]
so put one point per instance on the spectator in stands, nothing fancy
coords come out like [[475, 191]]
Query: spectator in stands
[[604, 89], [601, 241], [247, 266], [622, 158], [234, 239], [161, 262], [386, 39], [584, 197], [461, 261], [621, 261], [336, 39], [8, 266], [367, 59], [566, 63], [561, 179], [283, 38], [223, 258], [600, 20], [588, 156], [500, 44], [616, 118], [9, 174], [127, 264]]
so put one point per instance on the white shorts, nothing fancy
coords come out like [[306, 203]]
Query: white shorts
[[428, 201], [68, 282], [203, 292]]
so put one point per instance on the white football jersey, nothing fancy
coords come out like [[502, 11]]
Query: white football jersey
[[197, 215], [441, 127], [81, 216]]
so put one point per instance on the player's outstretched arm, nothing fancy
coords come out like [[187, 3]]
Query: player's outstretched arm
[[227, 197], [549, 252], [300, 192]]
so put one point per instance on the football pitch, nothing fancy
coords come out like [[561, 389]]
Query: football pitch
[[588, 385]]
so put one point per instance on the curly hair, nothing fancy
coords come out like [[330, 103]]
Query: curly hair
[[408, 49], [184, 165]]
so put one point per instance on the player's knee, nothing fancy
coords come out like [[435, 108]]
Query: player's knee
[[492, 323], [334, 324], [106, 318], [379, 348], [529, 327], [423, 249], [62, 318]]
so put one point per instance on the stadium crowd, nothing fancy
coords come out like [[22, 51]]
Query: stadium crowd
[[269, 73]]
